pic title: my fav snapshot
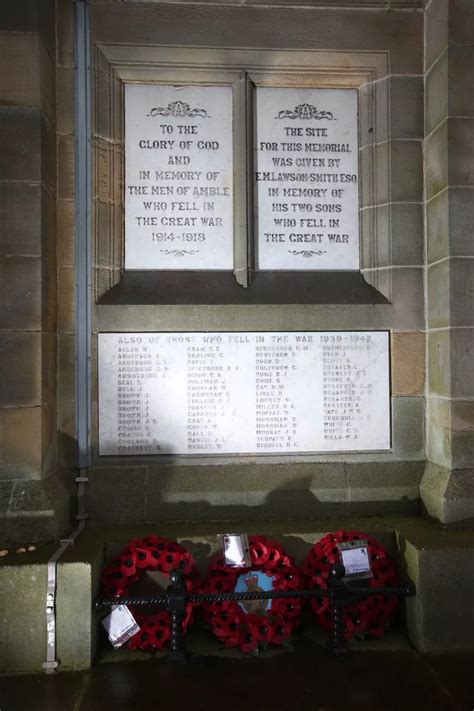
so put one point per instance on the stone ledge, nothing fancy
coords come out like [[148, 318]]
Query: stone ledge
[[33, 510], [332, 4], [448, 495]]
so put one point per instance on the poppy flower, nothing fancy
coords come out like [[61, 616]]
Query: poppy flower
[[217, 563], [161, 635], [289, 608], [219, 585], [287, 580], [258, 552], [145, 638], [170, 561], [281, 630], [128, 566], [248, 640], [263, 630], [151, 540], [232, 640], [144, 558], [111, 581], [274, 557], [220, 627]]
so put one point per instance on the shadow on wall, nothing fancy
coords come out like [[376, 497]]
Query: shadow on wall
[[141, 496], [194, 288]]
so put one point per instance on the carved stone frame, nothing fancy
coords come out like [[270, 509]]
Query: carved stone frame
[[114, 65]]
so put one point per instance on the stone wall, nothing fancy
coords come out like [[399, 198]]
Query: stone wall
[[33, 497], [275, 487], [448, 485], [66, 233]]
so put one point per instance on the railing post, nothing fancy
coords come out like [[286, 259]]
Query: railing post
[[177, 597], [338, 594]]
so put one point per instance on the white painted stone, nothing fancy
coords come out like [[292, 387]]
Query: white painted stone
[[306, 158], [206, 393], [178, 177]]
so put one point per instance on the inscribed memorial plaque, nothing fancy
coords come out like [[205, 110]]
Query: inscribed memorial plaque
[[178, 177], [306, 178], [277, 392]]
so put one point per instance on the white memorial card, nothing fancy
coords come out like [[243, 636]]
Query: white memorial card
[[236, 550], [120, 625], [306, 177], [220, 393], [178, 177], [355, 559]]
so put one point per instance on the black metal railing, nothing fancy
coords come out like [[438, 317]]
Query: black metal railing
[[176, 597]]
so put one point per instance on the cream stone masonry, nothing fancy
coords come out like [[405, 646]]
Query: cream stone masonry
[[377, 54], [447, 488], [247, 72]]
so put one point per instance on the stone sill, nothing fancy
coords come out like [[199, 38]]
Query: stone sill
[[199, 288]]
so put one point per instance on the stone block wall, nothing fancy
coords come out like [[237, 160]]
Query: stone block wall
[[29, 478], [66, 233], [122, 489], [448, 485]]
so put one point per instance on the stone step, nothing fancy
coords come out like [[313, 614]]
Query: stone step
[[200, 642]]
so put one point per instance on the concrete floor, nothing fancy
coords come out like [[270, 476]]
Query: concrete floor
[[304, 679]]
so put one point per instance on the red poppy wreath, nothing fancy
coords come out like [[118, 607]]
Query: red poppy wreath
[[150, 554], [370, 616], [253, 624]]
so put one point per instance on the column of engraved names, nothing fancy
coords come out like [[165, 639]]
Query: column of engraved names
[[137, 368], [208, 395], [344, 386], [276, 423]]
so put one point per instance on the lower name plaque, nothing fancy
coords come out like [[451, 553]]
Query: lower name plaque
[[229, 393]]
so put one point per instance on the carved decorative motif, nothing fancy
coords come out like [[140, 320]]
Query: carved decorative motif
[[306, 112], [178, 109], [179, 252], [306, 253]]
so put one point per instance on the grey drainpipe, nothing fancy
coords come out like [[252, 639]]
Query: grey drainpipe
[[83, 285]]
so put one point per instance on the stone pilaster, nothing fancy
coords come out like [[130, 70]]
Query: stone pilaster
[[448, 485]]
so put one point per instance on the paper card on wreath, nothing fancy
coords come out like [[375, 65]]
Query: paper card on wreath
[[120, 625], [355, 559], [236, 550]]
